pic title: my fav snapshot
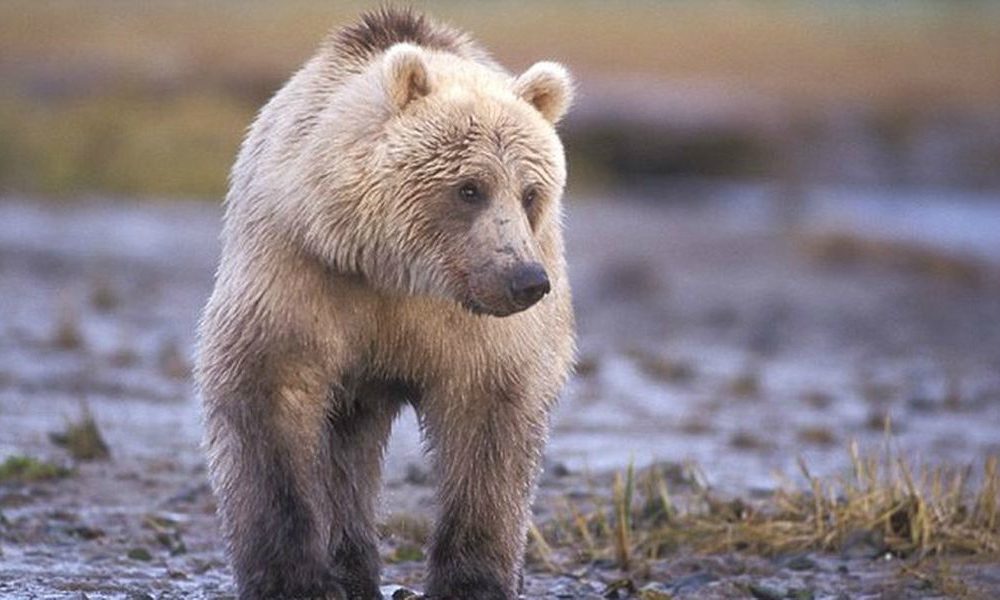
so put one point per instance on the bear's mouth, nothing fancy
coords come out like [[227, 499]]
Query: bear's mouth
[[479, 309], [475, 307]]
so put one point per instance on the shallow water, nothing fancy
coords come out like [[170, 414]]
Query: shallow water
[[724, 287]]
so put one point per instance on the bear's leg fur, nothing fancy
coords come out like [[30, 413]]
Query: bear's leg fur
[[266, 445], [487, 454], [357, 442], [296, 480]]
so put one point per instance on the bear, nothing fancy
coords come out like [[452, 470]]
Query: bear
[[392, 236]]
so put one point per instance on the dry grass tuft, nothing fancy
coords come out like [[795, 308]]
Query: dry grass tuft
[[82, 438], [67, 334], [925, 512], [818, 435], [746, 385], [744, 439], [406, 528], [663, 368]]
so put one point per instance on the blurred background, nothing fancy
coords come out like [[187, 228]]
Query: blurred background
[[151, 98], [783, 230]]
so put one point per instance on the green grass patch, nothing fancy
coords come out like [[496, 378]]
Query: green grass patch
[[22, 469], [180, 146]]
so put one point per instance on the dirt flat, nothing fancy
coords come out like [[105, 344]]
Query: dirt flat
[[710, 333]]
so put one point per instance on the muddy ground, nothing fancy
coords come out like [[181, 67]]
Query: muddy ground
[[717, 328]]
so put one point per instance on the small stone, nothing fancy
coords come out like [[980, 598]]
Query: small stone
[[654, 591], [587, 365], [862, 544], [922, 404], [800, 594], [398, 592], [558, 469], [692, 583], [801, 563], [620, 588], [763, 592], [139, 553], [87, 533], [417, 475]]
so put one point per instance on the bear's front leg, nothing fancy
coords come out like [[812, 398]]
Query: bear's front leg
[[487, 451], [266, 450], [293, 485]]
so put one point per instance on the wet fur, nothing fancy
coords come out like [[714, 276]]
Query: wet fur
[[345, 291]]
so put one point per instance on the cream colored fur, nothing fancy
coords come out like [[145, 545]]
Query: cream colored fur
[[349, 269]]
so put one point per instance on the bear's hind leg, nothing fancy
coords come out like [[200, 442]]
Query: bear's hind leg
[[357, 441]]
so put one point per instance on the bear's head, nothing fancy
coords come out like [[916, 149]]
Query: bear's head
[[449, 178]]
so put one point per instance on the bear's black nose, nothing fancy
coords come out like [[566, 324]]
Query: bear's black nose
[[529, 284]]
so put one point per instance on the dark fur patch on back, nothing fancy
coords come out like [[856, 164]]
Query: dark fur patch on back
[[381, 28]]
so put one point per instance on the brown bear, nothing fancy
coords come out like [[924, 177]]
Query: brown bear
[[392, 236]]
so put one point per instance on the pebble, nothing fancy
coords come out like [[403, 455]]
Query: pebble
[[139, 553], [398, 592], [862, 544], [692, 583], [762, 592], [801, 563], [417, 475], [654, 591]]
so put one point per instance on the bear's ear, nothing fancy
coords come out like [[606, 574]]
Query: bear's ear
[[406, 77], [548, 87]]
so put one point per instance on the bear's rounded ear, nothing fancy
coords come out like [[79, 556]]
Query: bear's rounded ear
[[548, 87], [405, 71]]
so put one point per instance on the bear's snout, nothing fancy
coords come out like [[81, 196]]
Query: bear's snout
[[528, 284]]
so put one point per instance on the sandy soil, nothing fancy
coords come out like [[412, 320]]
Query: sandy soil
[[709, 333]]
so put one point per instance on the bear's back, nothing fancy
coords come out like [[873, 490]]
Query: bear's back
[[349, 49]]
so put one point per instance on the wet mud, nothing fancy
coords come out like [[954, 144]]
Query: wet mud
[[732, 334]]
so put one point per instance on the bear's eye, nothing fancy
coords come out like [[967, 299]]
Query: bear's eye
[[470, 192], [529, 197]]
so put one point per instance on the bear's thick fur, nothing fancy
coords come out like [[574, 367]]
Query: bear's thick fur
[[392, 236]]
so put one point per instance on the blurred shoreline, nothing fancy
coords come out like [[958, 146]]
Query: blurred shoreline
[[153, 99]]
